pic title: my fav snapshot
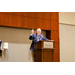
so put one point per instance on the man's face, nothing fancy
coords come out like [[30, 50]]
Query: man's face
[[38, 32]]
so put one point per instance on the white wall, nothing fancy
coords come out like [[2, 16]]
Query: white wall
[[19, 44], [17, 53], [67, 17], [67, 43], [67, 36]]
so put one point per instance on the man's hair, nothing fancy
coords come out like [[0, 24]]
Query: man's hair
[[38, 29]]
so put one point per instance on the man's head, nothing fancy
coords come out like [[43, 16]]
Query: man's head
[[38, 31]]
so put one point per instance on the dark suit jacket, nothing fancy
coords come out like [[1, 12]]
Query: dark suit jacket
[[34, 39], [0, 44], [0, 41]]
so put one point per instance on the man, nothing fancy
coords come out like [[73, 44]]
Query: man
[[35, 38], [0, 44]]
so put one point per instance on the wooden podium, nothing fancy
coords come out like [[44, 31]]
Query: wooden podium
[[43, 51]]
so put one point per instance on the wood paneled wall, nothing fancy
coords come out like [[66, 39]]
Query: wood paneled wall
[[55, 34], [48, 21], [36, 20], [26, 19]]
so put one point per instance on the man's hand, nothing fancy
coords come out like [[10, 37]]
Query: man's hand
[[32, 32], [51, 40]]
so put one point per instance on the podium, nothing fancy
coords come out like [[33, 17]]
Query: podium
[[43, 51]]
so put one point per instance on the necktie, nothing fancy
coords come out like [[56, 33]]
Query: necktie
[[38, 37]]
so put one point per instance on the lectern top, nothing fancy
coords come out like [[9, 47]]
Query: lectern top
[[45, 45]]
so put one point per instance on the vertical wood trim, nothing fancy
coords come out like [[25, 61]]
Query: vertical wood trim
[[42, 55]]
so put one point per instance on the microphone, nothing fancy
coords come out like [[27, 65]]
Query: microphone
[[42, 36]]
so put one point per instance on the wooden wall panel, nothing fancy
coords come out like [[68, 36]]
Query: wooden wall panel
[[44, 15], [48, 16], [54, 16], [44, 25], [26, 14], [29, 14], [40, 15], [56, 57], [56, 33], [3, 12], [0, 18], [54, 25], [37, 23], [55, 36], [17, 21], [26, 22], [10, 20], [37, 15], [10, 13], [41, 23], [18, 13], [15, 13], [47, 26], [33, 14], [4, 19], [56, 48], [52, 35], [14, 20], [33, 23]]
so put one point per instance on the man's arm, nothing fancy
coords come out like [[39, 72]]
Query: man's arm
[[0, 41], [45, 38], [31, 36]]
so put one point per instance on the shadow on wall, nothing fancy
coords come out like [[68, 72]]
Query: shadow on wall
[[29, 55]]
